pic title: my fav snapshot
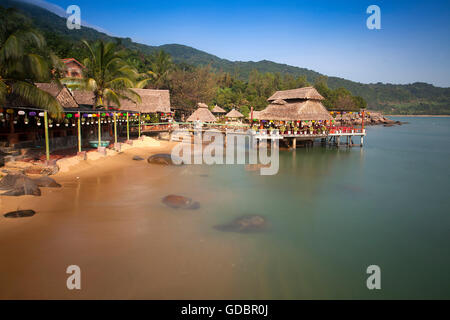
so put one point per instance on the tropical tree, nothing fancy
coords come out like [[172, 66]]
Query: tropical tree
[[24, 60], [161, 66], [108, 75]]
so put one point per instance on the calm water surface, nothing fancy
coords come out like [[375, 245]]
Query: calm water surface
[[335, 212], [332, 212]]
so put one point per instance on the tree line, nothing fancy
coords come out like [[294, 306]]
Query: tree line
[[188, 84]]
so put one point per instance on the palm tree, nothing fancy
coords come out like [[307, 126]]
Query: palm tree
[[23, 61], [161, 66], [108, 75]]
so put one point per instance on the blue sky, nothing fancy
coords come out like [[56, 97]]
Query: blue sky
[[327, 36]]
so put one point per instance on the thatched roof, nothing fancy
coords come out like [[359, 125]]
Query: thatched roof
[[256, 115], [152, 100], [294, 94], [218, 109], [202, 113], [202, 105], [234, 114], [84, 97], [297, 111], [61, 93]]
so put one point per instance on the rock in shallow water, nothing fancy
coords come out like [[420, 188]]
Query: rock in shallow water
[[46, 182], [19, 185], [138, 158], [180, 202], [20, 214], [164, 159], [245, 224]]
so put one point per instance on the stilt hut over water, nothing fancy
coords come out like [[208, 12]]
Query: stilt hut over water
[[302, 104], [218, 110], [234, 115], [202, 114]]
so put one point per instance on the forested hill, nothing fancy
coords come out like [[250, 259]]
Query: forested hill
[[416, 98]]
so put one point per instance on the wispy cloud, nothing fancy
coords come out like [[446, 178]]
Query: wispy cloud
[[62, 13]]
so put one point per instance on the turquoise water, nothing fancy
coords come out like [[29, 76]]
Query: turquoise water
[[334, 212]]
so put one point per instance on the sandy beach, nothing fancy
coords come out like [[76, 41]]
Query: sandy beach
[[108, 219]]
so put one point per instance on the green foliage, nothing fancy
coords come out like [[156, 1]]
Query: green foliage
[[24, 59], [250, 82], [108, 75]]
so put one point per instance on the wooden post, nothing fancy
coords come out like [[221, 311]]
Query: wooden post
[[294, 143], [128, 128], [99, 130], [115, 128], [139, 115], [362, 123], [79, 132], [47, 145]]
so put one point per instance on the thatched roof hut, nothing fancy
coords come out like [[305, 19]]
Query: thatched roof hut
[[84, 97], [153, 101], [61, 93], [256, 115], [295, 105], [218, 110], [202, 113], [234, 114], [306, 93]]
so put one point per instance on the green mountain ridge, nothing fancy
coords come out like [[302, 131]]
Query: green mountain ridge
[[415, 98]]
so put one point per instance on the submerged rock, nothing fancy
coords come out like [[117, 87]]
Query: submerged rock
[[180, 202], [46, 182], [20, 214], [245, 224], [164, 159], [21, 185], [138, 158]]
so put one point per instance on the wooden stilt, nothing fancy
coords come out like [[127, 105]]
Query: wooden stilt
[[115, 128], [99, 130], [139, 116], [128, 127], [47, 144], [79, 132], [294, 143]]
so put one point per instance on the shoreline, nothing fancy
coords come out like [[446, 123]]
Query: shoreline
[[418, 116], [108, 219]]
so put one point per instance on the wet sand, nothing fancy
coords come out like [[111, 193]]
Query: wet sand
[[109, 220]]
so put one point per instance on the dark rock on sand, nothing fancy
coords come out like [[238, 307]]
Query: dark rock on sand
[[138, 158], [19, 185], [164, 159], [46, 182], [180, 202], [245, 224], [20, 214]]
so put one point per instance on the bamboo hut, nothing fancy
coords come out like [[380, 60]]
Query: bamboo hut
[[218, 110], [61, 93], [202, 114], [234, 115], [302, 104], [152, 101]]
